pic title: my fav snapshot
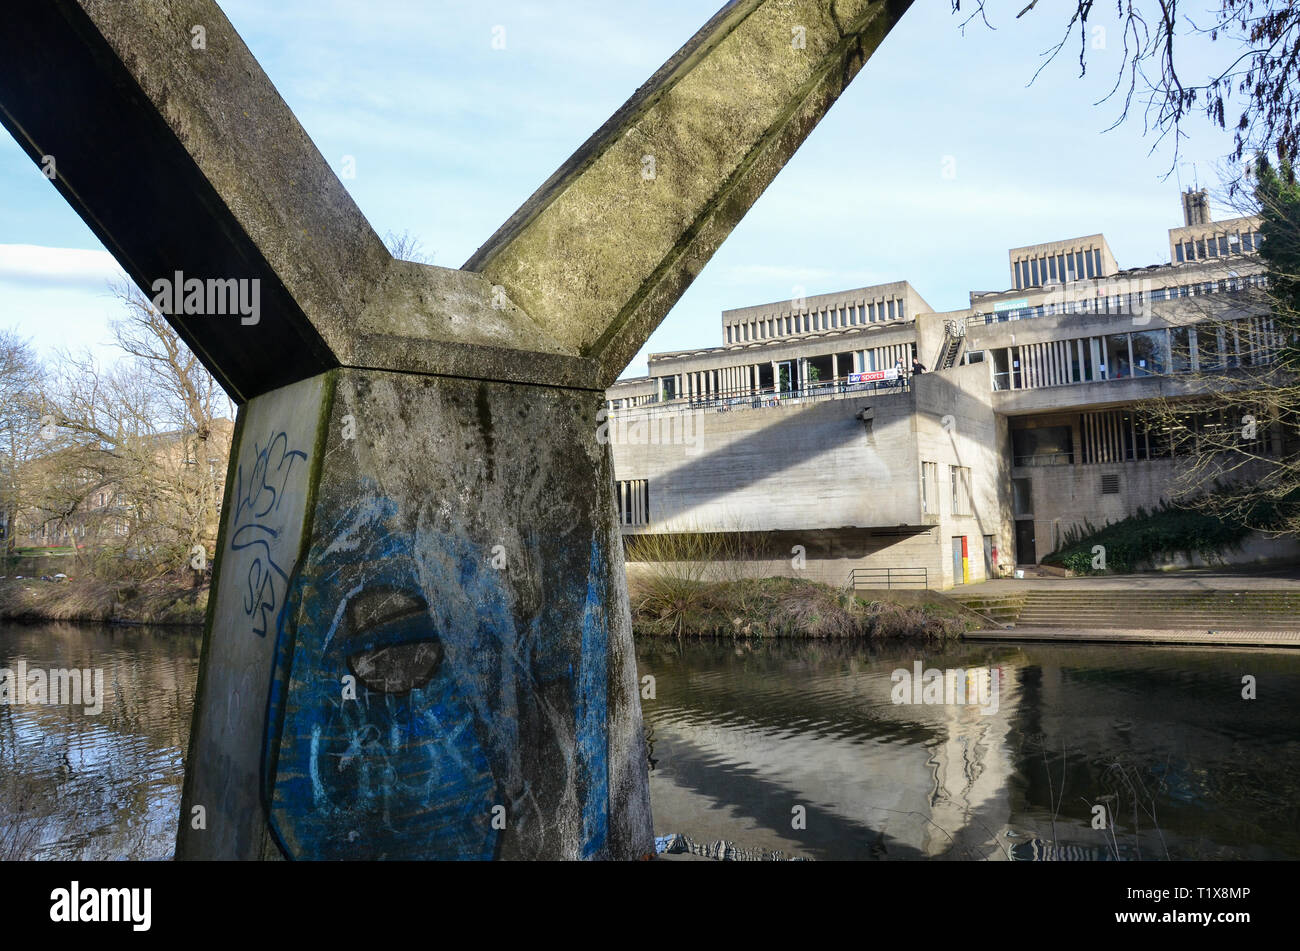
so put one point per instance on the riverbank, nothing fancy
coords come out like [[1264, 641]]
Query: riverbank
[[164, 601], [785, 607]]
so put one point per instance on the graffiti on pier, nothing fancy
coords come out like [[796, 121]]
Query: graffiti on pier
[[257, 524], [416, 713]]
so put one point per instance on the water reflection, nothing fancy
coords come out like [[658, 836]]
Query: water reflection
[[741, 734], [1159, 737], [107, 786]]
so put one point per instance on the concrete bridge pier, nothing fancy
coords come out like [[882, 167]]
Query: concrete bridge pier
[[424, 576], [419, 643]]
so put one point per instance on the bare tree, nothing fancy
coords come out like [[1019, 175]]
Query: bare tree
[[1242, 433], [21, 379], [1254, 88], [139, 465], [407, 247]]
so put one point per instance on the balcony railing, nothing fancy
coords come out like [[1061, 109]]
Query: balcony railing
[[724, 400]]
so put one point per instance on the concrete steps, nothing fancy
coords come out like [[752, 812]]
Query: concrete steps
[[1154, 609]]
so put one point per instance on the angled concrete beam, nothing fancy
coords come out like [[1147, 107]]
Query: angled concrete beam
[[187, 159], [601, 252]]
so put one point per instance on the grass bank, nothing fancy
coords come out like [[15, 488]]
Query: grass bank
[[666, 606], [164, 601]]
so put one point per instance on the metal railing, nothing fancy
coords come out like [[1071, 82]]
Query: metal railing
[[772, 396], [892, 578]]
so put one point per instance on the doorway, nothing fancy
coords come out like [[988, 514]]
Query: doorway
[[1025, 551]]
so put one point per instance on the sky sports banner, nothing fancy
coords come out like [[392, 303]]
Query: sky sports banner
[[876, 376]]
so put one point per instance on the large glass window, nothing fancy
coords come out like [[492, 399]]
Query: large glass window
[[1051, 262], [1180, 350], [1247, 243], [1088, 258], [1178, 251], [1117, 360], [1019, 282], [1223, 244], [1097, 261], [1033, 266], [891, 310], [1149, 357], [1209, 347], [1078, 264]]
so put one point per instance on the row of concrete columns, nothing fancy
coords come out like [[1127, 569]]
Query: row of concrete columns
[[634, 502], [856, 314]]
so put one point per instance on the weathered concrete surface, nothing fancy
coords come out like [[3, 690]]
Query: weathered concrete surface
[[473, 603], [718, 121], [264, 529], [432, 623]]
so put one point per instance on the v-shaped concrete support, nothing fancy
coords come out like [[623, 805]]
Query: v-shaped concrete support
[[419, 641]]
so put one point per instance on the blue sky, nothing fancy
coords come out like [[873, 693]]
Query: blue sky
[[450, 135]]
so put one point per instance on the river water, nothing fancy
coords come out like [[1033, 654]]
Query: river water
[[794, 747]]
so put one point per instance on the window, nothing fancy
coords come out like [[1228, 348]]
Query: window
[[930, 488], [633, 499], [1117, 357], [1019, 283], [1052, 266], [1223, 244], [1179, 253], [1088, 259], [891, 310], [1022, 498], [1033, 265], [1078, 264], [1180, 347], [1247, 243], [959, 477], [1200, 247], [1149, 357]]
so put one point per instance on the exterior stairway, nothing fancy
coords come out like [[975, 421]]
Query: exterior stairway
[[1162, 610], [1261, 617]]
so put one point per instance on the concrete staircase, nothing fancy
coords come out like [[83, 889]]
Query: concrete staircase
[[1155, 610], [1004, 609]]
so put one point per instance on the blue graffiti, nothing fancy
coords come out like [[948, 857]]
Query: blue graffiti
[[256, 525], [471, 728]]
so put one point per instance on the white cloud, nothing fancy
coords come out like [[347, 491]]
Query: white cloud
[[36, 266]]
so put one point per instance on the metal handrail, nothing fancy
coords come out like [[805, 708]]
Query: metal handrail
[[900, 577]]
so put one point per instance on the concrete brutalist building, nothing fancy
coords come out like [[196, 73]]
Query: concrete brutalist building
[[807, 436]]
